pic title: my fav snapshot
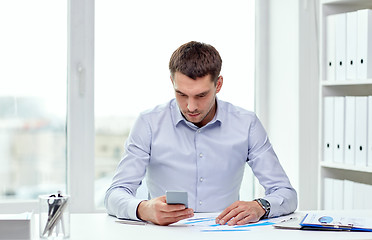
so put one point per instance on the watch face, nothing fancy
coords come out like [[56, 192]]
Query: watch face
[[265, 203]]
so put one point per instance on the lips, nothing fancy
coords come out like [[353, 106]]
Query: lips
[[193, 114]]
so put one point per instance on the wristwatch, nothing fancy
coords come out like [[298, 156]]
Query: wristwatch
[[265, 205]]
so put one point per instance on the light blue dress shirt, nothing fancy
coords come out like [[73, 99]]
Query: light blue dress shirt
[[207, 162]]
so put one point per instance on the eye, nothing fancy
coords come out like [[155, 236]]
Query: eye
[[181, 94]]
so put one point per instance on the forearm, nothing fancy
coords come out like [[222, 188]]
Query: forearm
[[121, 204], [283, 201]]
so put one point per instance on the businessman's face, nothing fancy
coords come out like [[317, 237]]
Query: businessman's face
[[196, 98]]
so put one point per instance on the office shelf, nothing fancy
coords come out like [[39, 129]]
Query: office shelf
[[346, 167], [354, 87], [352, 82]]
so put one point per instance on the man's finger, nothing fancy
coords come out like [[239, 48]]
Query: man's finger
[[248, 219], [233, 213], [180, 214], [173, 217], [225, 212], [173, 207], [239, 217]]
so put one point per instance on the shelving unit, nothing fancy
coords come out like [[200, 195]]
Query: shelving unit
[[355, 87]]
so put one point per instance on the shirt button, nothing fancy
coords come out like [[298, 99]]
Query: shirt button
[[201, 179], [200, 202], [201, 155], [198, 131]]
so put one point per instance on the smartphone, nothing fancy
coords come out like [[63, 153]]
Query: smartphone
[[176, 197]]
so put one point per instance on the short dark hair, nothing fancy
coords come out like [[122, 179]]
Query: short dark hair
[[196, 59]]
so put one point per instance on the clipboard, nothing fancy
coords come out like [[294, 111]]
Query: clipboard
[[320, 221]]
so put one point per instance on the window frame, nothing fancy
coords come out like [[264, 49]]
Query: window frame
[[80, 113]]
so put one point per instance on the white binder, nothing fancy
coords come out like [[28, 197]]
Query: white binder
[[348, 194], [328, 194], [361, 131], [369, 126], [340, 31], [338, 194], [364, 46], [368, 196], [330, 48], [328, 113], [349, 130], [338, 132], [359, 195], [351, 45]]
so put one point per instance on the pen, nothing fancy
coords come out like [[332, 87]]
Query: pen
[[52, 222], [201, 218], [130, 222]]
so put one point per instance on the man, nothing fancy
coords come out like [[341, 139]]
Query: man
[[198, 144]]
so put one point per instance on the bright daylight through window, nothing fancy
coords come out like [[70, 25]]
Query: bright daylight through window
[[33, 97], [133, 43]]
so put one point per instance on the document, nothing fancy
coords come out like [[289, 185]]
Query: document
[[206, 223], [336, 222]]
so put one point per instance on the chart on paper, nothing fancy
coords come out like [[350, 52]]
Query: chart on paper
[[205, 222]]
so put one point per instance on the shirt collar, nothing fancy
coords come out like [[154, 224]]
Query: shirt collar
[[178, 117]]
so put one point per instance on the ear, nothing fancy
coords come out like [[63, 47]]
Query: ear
[[171, 79], [219, 84]]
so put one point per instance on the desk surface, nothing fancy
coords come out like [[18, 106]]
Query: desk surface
[[101, 226]]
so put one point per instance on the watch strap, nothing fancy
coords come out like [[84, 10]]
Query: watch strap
[[265, 206]]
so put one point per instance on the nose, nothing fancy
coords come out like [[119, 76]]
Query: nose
[[192, 105]]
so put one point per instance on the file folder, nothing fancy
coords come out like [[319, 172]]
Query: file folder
[[328, 125], [330, 48], [367, 189], [338, 194], [361, 131], [328, 194], [349, 130], [348, 194], [338, 133], [340, 35], [364, 46], [359, 195], [369, 126], [351, 45]]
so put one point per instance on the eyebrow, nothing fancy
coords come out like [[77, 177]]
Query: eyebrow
[[198, 95]]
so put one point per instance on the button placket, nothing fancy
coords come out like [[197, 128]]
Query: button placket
[[200, 171]]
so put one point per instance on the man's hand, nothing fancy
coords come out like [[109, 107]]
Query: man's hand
[[240, 213], [159, 212]]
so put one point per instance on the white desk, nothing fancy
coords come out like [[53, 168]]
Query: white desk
[[101, 226]]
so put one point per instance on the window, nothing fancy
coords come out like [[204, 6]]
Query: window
[[33, 97], [133, 43], [53, 82]]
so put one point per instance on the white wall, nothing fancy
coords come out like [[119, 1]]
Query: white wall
[[284, 71]]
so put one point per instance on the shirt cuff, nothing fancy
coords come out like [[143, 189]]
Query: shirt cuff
[[132, 208], [275, 205]]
